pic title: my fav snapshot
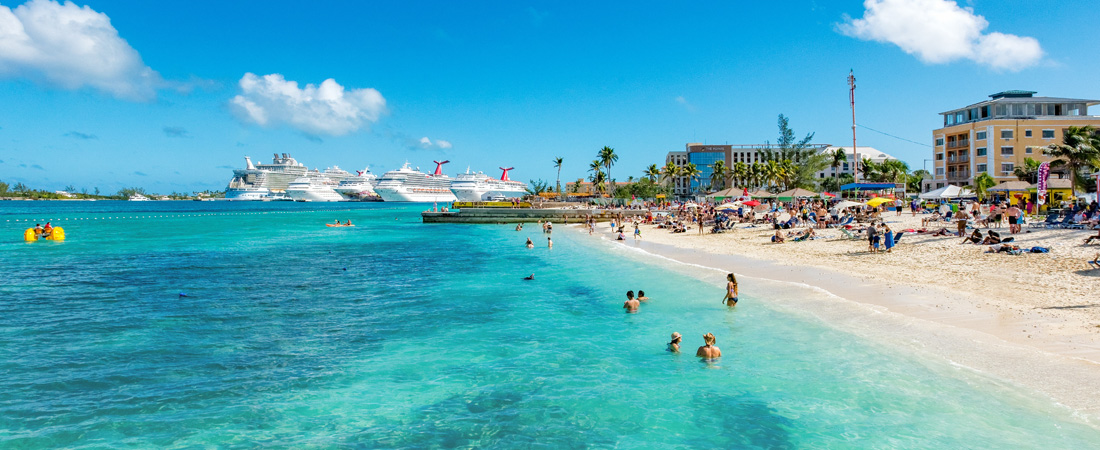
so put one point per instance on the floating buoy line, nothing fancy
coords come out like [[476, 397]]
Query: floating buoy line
[[184, 215]]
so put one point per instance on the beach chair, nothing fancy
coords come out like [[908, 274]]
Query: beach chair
[[1050, 221], [849, 235]]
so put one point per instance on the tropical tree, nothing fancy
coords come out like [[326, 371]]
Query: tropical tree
[[691, 172], [893, 170], [670, 171], [557, 164], [719, 175], [1028, 172], [916, 180], [3, 188], [869, 171], [652, 172], [837, 159], [1078, 150], [787, 173], [982, 183], [20, 188], [536, 187], [756, 174], [740, 173], [577, 186], [608, 158]]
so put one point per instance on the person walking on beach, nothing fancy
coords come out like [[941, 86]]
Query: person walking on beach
[[887, 237], [731, 290], [631, 304], [872, 238], [674, 345], [1013, 219], [961, 221], [637, 231], [708, 351]]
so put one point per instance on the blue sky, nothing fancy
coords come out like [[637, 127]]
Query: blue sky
[[161, 105]]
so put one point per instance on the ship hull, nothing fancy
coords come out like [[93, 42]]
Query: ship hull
[[404, 195]]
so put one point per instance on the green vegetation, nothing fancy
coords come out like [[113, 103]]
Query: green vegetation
[[22, 191], [536, 187], [1080, 149], [557, 164]]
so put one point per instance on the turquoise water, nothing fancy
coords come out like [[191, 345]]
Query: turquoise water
[[397, 334]]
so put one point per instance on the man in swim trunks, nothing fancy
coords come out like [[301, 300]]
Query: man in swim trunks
[[631, 304], [708, 351]]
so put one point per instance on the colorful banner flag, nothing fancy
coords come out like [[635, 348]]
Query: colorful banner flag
[[1044, 173]]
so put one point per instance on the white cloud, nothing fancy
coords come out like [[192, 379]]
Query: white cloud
[[425, 141], [940, 31], [443, 144], [327, 109], [72, 47], [683, 102]]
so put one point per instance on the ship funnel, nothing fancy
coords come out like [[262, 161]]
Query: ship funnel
[[504, 175], [439, 167], [248, 163]]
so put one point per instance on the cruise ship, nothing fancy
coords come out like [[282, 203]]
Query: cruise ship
[[359, 188], [257, 182], [313, 189], [478, 187], [408, 185]]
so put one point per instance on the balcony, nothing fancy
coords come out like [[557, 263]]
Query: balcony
[[958, 175], [961, 143]]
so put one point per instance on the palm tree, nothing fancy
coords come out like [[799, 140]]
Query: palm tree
[[868, 170], [772, 173], [577, 186], [557, 164], [839, 157], [740, 173], [652, 172], [1027, 172], [982, 183], [788, 171], [596, 169], [670, 171], [691, 172], [718, 175], [607, 158], [756, 174], [1078, 150]]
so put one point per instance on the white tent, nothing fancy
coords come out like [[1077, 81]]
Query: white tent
[[948, 191]]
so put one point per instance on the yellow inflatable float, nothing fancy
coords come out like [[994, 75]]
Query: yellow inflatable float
[[56, 234]]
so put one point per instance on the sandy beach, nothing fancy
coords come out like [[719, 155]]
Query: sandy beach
[[1032, 319]]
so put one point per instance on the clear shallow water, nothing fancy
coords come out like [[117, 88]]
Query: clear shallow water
[[430, 339]]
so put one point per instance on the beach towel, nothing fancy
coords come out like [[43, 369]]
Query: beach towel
[[1039, 250]]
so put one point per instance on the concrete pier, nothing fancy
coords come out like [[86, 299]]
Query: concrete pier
[[508, 215]]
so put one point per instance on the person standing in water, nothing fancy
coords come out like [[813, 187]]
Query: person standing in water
[[708, 351], [731, 290], [631, 304], [530, 244], [549, 243], [674, 345]]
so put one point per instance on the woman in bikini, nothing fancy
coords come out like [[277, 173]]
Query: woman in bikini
[[731, 290]]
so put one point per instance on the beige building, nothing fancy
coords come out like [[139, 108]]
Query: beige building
[[996, 135]]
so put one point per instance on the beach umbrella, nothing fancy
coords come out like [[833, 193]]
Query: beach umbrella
[[874, 202], [752, 203], [727, 207], [847, 204]]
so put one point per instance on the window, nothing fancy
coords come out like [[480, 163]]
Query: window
[[939, 156], [980, 136], [939, 185], [1006, 134], [845, 166], [1027, 133], [939, 171], [981, 151], [1027, 150], [980, 167], [1007, 168], [939, 142], [1006, 151], [1048, 134]]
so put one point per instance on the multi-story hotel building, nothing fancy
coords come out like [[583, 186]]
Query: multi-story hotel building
[[996, 135]]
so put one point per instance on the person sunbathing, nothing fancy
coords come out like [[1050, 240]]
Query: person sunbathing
[[778, 239], [942, 232], [936, 217], [1093, 238], [974, 238]]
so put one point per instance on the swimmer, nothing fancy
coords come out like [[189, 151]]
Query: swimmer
[[530, 244], [708, 351], [731, 290], [642, 297], [674, 346], [549, 243], [530, 277], [631, 304], [519, 227]]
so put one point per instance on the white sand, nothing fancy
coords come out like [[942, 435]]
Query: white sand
[[1033, 319]]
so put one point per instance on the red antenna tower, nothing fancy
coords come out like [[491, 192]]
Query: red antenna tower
[[852, 99], [439, 167], [504, 176]]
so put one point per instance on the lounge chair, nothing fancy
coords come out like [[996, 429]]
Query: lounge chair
[[849, 235], [1052, 220]]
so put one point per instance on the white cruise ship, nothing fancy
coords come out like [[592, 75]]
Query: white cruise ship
[[257, 182], [313, 188], [408, 185], [359, 188], [478, 187]]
